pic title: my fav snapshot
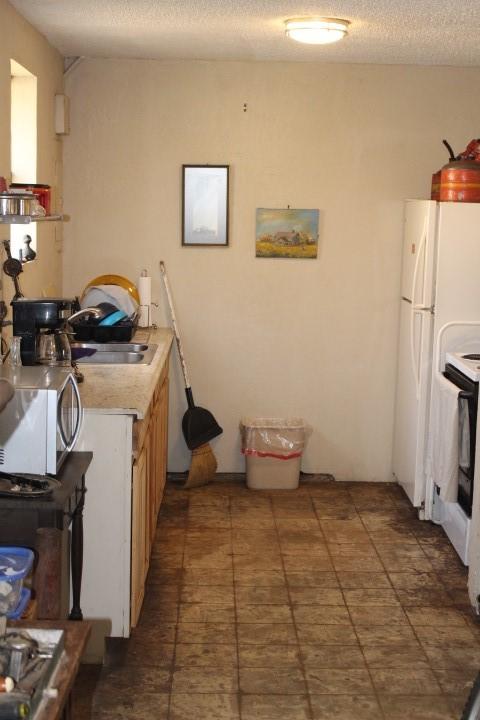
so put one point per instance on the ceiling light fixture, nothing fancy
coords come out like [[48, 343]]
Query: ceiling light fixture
[[316, 31]]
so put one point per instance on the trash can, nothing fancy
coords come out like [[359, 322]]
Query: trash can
[[273, 452]]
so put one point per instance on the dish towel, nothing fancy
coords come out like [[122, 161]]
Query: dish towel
[[442, 452]]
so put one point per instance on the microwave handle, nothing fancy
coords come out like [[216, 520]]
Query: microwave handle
[[59, 422], [78, 424]]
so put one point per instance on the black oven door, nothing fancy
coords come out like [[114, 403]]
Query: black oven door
[[467, 429]]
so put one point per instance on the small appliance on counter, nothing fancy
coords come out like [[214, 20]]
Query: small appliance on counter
[[41, 423], [34, 317]]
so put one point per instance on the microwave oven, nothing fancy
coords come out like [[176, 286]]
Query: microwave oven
[[40, 425]]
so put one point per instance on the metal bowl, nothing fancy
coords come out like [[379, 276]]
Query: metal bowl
[[16, 204]]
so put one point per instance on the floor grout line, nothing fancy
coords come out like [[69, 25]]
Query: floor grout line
[[375, 692], [409, 623], [239, 692], [184, 542], [292, 614]]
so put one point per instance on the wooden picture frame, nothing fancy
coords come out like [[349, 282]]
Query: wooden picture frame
[[286, 233], [205, 205]]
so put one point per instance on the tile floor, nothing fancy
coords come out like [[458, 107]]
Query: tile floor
[[329, 602]]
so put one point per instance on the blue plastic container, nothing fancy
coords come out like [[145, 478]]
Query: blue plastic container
[[15, 564], [22, 604]]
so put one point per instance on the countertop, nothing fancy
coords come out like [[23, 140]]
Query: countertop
[[125, 389]]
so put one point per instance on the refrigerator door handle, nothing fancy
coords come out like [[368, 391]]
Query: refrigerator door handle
[[417, 261], [426, 308], [417, 310], [415, 365]]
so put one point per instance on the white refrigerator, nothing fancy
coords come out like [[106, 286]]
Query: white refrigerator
[[440, 304]]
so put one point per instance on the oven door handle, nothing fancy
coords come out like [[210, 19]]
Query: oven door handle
[[465, 395]]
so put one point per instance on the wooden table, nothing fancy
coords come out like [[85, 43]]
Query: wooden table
[[76, 636]]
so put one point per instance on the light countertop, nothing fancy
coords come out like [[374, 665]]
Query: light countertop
[[125, 389]]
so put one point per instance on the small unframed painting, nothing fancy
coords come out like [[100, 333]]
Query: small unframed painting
[[288, 233]]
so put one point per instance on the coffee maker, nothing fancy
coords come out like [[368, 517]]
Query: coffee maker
[[31, 317]]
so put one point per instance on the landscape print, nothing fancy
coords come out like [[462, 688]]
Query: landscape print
[[287, 233]]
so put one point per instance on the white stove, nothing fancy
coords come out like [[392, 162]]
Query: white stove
[[467, 363]]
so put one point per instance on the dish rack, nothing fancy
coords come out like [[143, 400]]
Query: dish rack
[[88, 331]]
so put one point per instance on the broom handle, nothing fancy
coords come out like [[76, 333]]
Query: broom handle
[[188, 387]]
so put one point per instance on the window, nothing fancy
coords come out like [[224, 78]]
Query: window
[[23, 145]]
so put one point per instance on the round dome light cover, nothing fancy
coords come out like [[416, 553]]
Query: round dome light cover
[[316, 31]]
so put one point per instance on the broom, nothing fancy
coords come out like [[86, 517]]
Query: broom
[[198, 424]]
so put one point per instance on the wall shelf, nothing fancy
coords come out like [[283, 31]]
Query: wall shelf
[[26, 219]]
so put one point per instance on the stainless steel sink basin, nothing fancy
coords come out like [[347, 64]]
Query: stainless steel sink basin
[[115, 353], [111, 347]]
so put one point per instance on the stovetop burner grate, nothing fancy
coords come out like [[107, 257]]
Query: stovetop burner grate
[[24, 485]]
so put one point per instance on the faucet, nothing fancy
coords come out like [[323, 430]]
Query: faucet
[[96, 312]]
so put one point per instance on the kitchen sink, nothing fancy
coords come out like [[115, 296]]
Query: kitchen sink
[[114, 353], [111, 347]]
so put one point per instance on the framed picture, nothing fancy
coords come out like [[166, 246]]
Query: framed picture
[[205, 205], [286, 233]]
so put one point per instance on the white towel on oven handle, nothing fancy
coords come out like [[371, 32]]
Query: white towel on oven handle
[[442, 446]]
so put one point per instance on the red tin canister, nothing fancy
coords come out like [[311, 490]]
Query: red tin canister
[[435, 192], [460, 182]]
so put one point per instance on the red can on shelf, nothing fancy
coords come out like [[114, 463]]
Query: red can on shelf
[[460, 182], [42, 192], [435, 192]]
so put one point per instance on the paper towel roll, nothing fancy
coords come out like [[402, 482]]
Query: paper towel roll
[[145, 292]]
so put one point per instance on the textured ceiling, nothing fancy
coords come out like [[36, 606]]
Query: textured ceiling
[[424, 32]]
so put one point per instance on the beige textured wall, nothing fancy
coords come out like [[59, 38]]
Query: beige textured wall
[[266, 337], [21, 42]]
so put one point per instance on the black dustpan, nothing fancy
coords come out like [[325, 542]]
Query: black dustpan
[[198, 425]]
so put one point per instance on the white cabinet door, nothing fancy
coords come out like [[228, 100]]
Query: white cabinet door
[[105, 596]]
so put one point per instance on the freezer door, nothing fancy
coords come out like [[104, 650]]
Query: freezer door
[[458, 272], [419, 252], [412, 400]]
